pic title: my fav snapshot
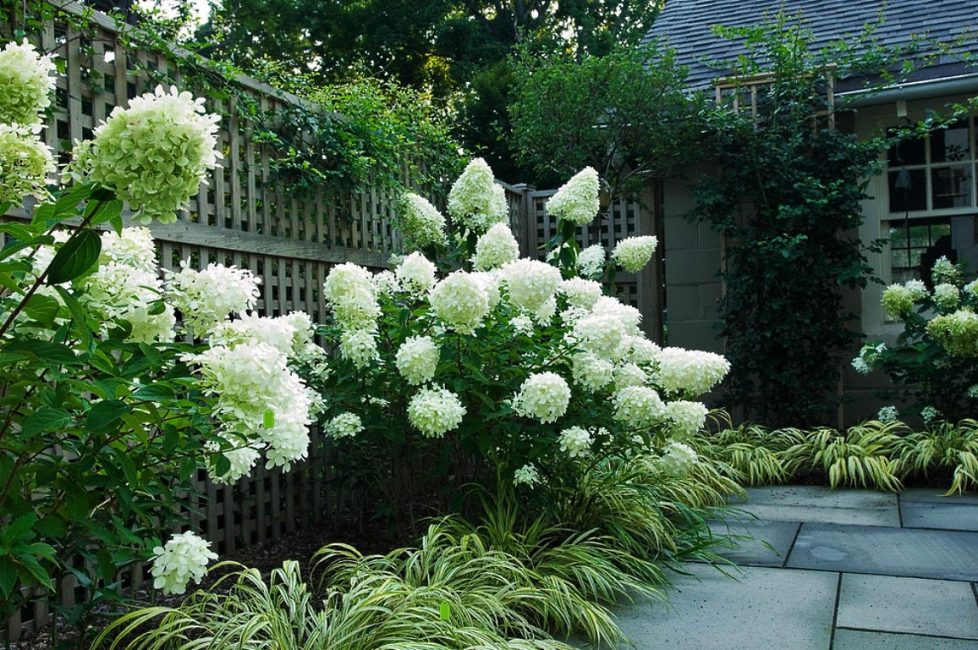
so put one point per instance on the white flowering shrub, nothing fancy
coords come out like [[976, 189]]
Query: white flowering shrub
[[935, 358], [506, 368], [121, 383]]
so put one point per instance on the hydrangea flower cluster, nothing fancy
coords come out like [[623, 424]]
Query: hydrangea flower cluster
[[134, 247], [946, 296], [435, 410], [600, 334], [633, 253], [351, 296], [677, 459], [956, 332], [899, 299], [207, 297], [686, 418], [689, 372], [26, 164], [415, 274], [580, 292], [527, 475], [344, 425], [183, 558], [120, 292], [460, 301], [577, 200], [888, 414], [417, 359], [278, 333], [495, 248], [590, 261], [543, 396], [591, 372], [531, 283], [575, 442], [638, 407], [27, 82], [154, 154], [476, 201], [945, 271], [421, 222]]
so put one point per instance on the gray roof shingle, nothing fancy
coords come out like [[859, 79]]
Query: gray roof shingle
[[686, 25]]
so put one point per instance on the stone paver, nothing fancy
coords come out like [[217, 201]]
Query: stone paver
[[911, 605], [758, 543], [820, 504], [947, 516], [940, 554], [765, 608], [930, 495], [862, 640]]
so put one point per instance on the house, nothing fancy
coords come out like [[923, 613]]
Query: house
[[925, 202]]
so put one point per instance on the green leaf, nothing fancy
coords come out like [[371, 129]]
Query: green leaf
[[78, 315], [54, 354], [108, 212], [43, 309], [8, 576], [45, 419], [51, 526], [65, 206], [158, 392], [104, 414], [19, 530], [76, 256]]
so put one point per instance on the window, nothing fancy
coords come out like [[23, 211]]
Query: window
[[915, 244], [935, 173]]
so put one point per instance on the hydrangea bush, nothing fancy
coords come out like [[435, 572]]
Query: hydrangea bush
[[120, 383], [514, 371], [935, 358]]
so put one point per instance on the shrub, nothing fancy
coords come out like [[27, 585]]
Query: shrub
[[934, 359], [105, 418], [945, 446]]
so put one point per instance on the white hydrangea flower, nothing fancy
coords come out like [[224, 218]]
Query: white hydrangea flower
[[527, 475], [351, 295], [888, 414], [416, 274], [590, 372], [476, 201], [490, 282], [302, 330], [628, 315], [183, 558], [928, 414], [633, 253], [421, 222], [154, 154], [571, 315], [495, 248], [241, 457], [207, 297], [692, 372], [344, 425], [26, 164], [27, 82], [287, 440], [945, 271], [543, 396], [522, 324], [460, 301], [434, 411], [359, 347], [577, 200], [640, 350], [971, 288], [686, 418], [531, 283], [859, 365], [629, 374], [956, 332], [575, 442], [580, 292], [417, 359], [638, 407], [544, 314], [385, 283], [252, 328], [898, 299], [973, 391], [590, 262], [946, 296], [119, 292], [677, 459], [135, 247], [600, 334]]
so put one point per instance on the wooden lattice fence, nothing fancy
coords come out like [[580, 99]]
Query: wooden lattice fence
[[248, 217]]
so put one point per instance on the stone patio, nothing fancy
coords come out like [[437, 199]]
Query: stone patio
[[828, 570]]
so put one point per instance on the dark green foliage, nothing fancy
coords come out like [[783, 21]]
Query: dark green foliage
[[787, 199]]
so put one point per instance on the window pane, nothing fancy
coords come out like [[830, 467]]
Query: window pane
[[908, 152], [909, 198], [951, 187], [915, 244], [950, 145]]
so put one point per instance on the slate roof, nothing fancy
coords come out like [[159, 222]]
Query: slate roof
[[686, 25]]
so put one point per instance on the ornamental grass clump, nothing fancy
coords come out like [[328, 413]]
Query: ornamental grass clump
[[863, 456], [943, 447]]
